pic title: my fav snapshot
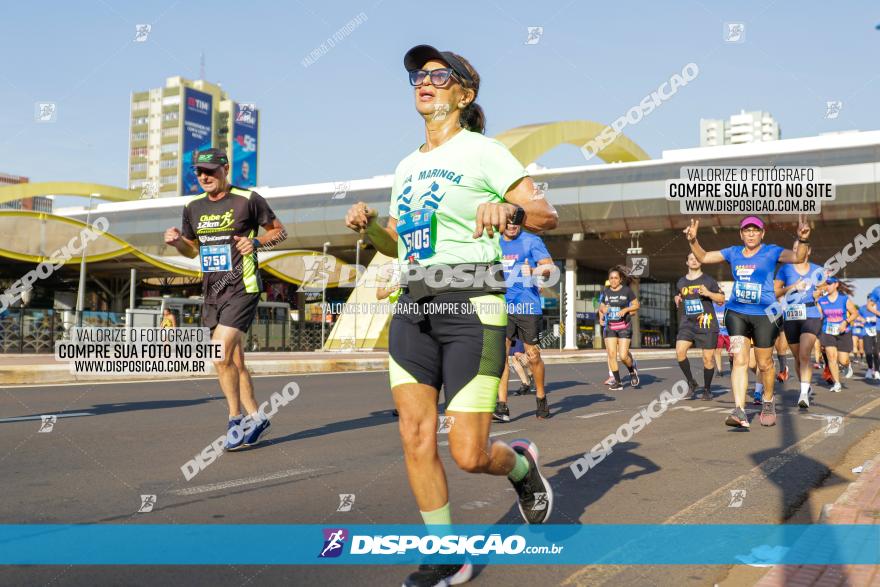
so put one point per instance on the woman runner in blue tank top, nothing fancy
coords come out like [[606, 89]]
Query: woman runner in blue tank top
[[838, 312], [750, 316], [795, 287]]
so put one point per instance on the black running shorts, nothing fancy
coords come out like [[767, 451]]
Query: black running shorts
[[795, 328], [236, 311], [843, 342], [759, 328], [454, 340], [703, 338], [525, 327]]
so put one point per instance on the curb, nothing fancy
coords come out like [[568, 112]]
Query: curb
[[48, 373]]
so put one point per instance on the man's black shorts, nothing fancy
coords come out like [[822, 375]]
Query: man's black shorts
[[703, 338], [795, 328], [235, 311], [526, 327], [843, 342], [758, 327]]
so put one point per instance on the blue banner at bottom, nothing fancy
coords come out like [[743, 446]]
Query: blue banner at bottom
[[636, 544]]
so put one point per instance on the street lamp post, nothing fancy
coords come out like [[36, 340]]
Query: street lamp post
[[324, 294], [357, 268], [81, 293]]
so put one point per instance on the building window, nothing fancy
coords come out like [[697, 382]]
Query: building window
[[168, 163], [171, 132], [171, 116], [169, 148], [139, 120], [136, 167], [168, 179], [139, 136], [139, 152]]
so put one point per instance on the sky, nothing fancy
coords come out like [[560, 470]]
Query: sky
[[350, 113]]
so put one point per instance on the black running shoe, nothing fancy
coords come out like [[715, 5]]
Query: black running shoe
[[616, 386], [634, 377], [738, 418], [535, 493], [543, 411], [440, 575], [707, 395], [694, 390], [523, 389], [501, 413]]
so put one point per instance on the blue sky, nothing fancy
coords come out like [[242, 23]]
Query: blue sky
[[350, 114]]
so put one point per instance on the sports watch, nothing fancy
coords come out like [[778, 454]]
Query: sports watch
[[518, 216]]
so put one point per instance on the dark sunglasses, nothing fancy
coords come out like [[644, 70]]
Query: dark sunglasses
[[439, 77], [200, 170]]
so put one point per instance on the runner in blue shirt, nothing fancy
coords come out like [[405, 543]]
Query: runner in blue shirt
[[838, 312], [525, 258], [795, 285], [753, 266], [870, 342], [873, 306], [723, 339]]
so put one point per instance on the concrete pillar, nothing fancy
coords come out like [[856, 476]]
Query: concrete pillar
[[636, 323], [132, 288], [570, 309]]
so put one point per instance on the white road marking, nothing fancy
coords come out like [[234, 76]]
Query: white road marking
[[240, 482], [653, 368], [720, 498], [26, 418], [599, 414]]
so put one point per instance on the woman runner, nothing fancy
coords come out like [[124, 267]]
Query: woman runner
[[796, 285], [747, 320], [451, 200], [619, 305]]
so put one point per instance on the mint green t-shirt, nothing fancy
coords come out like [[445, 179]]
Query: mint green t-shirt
[[436, 195]]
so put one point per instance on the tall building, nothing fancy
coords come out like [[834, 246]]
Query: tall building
[[169, 124], [37, 204], [745, 127]]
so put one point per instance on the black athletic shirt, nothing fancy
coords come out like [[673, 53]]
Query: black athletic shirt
[[213, 224], [696, 309], [615, 301]]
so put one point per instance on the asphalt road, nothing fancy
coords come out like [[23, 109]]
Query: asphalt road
[[112, 443]]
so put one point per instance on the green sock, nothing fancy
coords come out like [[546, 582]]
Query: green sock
[[520, 469], [440, 516]]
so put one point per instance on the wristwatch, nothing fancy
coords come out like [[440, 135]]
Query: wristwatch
[[518, 216], [256, 243]]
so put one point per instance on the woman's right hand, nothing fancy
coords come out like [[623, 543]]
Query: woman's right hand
[[359, 216]]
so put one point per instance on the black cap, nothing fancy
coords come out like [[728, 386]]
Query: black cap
[[416, 57], [210, 159]]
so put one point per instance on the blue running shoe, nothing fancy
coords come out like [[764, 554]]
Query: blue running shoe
[[234, 435], [254, 437], [758, 398]]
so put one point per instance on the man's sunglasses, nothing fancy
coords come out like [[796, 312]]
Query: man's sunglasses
[[200, 170], [439, 77]]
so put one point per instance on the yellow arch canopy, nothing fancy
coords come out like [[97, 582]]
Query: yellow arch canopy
[[111, 193], [529, 142]]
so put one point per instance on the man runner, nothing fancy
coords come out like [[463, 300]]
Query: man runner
[[220, 226], [699, 324], [523, 250]]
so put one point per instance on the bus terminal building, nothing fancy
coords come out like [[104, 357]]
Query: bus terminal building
[[609, 214]]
